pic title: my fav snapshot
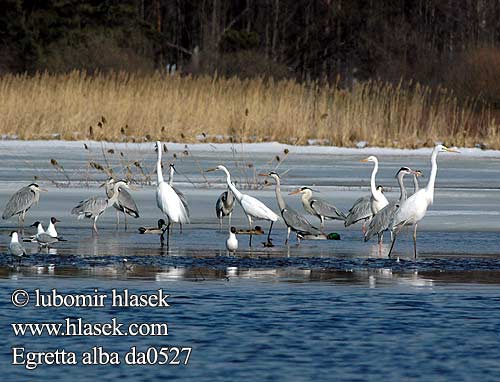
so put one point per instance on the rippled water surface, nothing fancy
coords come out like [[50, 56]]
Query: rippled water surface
[[324, 310]]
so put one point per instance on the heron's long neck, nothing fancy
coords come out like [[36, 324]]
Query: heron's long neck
[[403, 195], [232, 187], [230, 196], [372, 181], [112, 200], [171, 177], [279, 197], [432, 179], [159, 174], [416, 186]]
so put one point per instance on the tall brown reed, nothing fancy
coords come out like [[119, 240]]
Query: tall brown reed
[[128, 107]]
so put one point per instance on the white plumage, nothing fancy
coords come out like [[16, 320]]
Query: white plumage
[[167, 199]]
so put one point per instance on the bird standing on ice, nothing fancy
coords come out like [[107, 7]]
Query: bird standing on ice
[[167, 199], [253, 208]]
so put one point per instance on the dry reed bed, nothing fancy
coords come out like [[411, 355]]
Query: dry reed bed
[[128, 107]]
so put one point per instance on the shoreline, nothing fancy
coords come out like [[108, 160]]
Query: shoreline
[[262, 147]]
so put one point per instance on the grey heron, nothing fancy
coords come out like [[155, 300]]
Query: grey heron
[[253, 207], [15, 248], [95, 206], [179, 193], [224, 206], [361, 210], [167, 199], [232, 241], [125, 203], [293, 220], [158, 230], [21, 201], [413, 209], [381, 221], [318, 207]]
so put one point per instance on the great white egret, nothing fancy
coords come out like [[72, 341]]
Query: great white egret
[[318, 207], [179, 193], [413, 209], [167, 199], [378, 199], [253, 207]]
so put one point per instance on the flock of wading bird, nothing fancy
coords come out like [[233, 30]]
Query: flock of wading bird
[[375, 212]]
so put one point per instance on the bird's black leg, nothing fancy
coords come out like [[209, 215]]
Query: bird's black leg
[[392, 244], [269, 233]]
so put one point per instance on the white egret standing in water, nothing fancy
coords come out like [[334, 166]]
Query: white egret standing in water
[[413, 209], [253, 208], [167, 199]]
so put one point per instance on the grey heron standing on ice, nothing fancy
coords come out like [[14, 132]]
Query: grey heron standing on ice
[[361, 210], [318, 207], [413, 209], [382, 220], [21, 201], [95, 206], [167, 199], [224, 206], [293, 220], [253, 207], [125, 203]]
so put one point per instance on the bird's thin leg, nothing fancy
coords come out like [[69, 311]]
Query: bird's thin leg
[[298, 240], [229, 217], [322, 224], [269, 233], [220, 222], [288, 235], [380, 241], [168, 233], [392, 244], [415, 242], [250, 225], [94, 226], [117, 219], [180, 225], [125, 217], [363, 228]]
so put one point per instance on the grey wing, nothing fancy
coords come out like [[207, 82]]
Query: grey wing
[[45, 238], [90, 207], [17, 249], [327, 210], [127, 204], [297, 222], [19, 202], [360, 210], [382, 220], [183, 199], [219, 205]]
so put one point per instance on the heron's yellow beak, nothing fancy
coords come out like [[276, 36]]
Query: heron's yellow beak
[[451, 150], [297, 191], [262, 174], [364, 160], [44, 190], [211, 169]]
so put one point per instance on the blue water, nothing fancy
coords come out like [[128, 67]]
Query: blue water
[[321, 311], [244, 329]]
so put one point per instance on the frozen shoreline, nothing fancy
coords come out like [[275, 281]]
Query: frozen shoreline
[[266, 147]]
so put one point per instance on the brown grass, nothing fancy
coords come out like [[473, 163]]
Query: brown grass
[[127, 107]]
